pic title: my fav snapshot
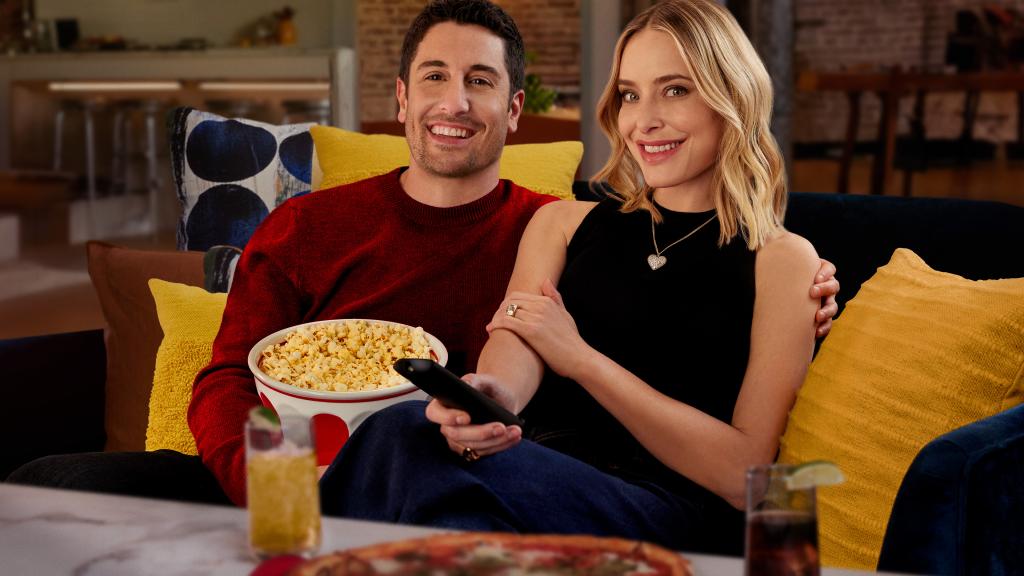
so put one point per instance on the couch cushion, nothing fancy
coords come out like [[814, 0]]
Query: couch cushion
[[858, 233], [348, 157], [230, 173], [133, 333], [190, 318], [917, 353], [54, 385]]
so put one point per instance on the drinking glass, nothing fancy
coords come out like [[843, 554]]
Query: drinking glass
[[782, 525], [283, 496]]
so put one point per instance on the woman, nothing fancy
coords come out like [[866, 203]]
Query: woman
[[660, 391]]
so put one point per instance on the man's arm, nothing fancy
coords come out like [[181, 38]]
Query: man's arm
[[264, 298]]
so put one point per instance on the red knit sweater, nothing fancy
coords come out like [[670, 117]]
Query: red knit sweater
[[364, 250]]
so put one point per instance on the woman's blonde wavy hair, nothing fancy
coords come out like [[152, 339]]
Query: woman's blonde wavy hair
[[749, 183]]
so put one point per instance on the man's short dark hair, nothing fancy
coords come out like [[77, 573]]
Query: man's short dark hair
[[476, 12]]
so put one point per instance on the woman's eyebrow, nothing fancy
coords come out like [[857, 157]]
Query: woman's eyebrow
[[659, 80]]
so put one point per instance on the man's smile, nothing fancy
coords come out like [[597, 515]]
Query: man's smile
[[451, 130]]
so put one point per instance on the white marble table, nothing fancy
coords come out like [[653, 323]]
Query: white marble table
[[58, 532]]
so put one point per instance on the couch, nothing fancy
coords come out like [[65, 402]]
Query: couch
[[960, 508]]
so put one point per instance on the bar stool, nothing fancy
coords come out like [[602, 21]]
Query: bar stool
[[88, 107], [122, 145], [152, 110], [318, 111], [126, 115]]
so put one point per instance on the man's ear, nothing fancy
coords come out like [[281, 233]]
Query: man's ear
[[403, 99], [515, 108]]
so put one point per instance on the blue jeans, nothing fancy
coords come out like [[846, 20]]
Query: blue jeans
[[397, 467]]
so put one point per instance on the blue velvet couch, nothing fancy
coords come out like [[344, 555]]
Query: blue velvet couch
[[960, 509]]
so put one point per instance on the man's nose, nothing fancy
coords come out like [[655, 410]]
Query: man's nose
[[455, 100]]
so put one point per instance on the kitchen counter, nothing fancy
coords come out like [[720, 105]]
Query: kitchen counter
[[338, 66], [258, 52]]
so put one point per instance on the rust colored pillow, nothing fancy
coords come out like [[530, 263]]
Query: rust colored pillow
[[120, 277]]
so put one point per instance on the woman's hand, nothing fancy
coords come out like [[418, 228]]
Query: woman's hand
[[544, 323], [481, 439]]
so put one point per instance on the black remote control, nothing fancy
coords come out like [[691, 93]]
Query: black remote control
[[453, 392]]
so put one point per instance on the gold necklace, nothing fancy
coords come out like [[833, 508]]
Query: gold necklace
[[656, 260]]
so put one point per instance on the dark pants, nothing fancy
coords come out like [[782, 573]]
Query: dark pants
[[163, 474], [397, 467]]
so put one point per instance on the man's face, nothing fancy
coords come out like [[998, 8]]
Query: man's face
[[456, 108]]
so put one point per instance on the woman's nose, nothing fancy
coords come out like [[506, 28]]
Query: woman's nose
[[649, 117]]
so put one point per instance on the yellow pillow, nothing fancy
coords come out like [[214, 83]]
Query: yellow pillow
[[346, 157], [190, 319], [916, 353]]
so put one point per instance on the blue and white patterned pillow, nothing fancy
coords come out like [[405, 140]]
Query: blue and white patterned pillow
[[230, 173]]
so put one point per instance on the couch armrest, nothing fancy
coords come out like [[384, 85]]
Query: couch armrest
[[960, 509], [54, 393]]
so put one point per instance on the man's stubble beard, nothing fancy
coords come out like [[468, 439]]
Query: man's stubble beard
[[474, 162]]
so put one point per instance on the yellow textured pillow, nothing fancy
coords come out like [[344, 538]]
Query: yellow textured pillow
[[916, 353], [346, 157], [190, 319]]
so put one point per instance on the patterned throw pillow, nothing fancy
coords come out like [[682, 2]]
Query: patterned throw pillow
[[230, 173]]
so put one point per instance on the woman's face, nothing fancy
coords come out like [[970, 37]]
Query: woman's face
[[671, 131]]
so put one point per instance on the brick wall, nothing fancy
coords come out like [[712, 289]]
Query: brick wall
[[839, 34], [550, 29], [830, 35], [381, 28]]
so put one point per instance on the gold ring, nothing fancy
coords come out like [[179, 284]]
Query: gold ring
[[469, 455], [510, 310]]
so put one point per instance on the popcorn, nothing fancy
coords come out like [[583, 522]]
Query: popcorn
[[345, 356]]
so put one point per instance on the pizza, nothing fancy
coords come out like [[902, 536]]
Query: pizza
[[494, 554]]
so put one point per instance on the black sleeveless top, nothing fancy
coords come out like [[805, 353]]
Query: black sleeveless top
[[683, 329]]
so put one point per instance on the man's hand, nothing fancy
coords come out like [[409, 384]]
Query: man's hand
[[825, 288], [484, 438]]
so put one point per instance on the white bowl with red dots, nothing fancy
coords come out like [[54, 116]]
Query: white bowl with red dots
[[334, 415]]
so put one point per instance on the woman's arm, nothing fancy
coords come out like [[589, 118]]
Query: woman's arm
[[509, 370], [541, 257], [713, 453]]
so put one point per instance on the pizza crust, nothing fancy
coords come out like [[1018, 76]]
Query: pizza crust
[[516, 548]]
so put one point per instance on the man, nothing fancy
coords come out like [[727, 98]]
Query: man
[[432, 245]]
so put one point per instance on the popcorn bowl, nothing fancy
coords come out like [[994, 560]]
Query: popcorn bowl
[[335, 415]]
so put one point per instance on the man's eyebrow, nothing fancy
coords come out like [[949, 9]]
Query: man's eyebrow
[[475, 67], [485, 68], [432, 64], [658, 80]]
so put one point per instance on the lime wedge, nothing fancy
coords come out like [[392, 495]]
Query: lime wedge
[[814, 473], [263, 417]]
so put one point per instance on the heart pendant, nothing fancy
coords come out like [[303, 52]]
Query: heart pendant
[[655, 261]]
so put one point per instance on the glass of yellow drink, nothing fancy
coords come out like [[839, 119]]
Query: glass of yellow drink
[[283, 497]]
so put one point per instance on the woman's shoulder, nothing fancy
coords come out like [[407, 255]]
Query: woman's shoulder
[[565, 212], [785, 250], [564, 216]]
